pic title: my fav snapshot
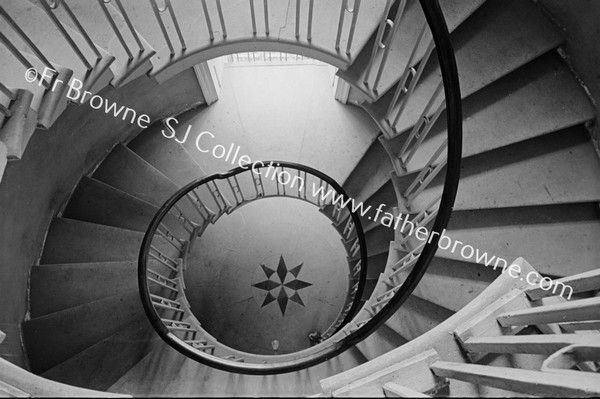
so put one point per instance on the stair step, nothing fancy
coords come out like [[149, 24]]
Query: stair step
[[166, 155], [115, 356], [96, 202], [393, 390], [453, 284], [127, 171], [72, 241], [376, 265], [370, 173], [521, 106], [455, 12], [519, 34], [545, 344], [43, 32], [56, 337], [411, 371], [529, 382], [559, 239], [383, 340], [78, 283], [93, 18], [417, 316], [164, 371], [557, 168], [378, 240]]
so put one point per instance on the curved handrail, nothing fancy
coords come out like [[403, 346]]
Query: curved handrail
[[349, 309], [355, 331]]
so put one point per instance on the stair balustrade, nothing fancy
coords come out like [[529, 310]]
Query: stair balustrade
[[161, 271]]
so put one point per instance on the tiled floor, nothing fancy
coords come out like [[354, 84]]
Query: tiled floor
[[274, 270]]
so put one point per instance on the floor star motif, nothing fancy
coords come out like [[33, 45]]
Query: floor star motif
[[279, 284]]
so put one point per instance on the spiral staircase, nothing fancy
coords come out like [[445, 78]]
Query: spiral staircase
[[78, 199]]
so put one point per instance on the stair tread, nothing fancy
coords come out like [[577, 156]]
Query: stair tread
[[115, 355], [127, 171], [560, 240], [73, 241], [97, 26], [383, 340], [166, 155], [78, 283], [455, 12], [520, 106], [54, 338], [453, 284], [561, 167], [97, 202], [165, 371], [519, 34], [47, 36], [417, 316]]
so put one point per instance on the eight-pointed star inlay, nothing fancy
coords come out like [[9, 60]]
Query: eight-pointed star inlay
[[293, 284]]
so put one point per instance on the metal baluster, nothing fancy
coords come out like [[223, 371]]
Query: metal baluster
[[377, 43], [409, 70], [427, 174], [298, 4], [266, 3], [208, 22], [221, 18], [114, 27], [82, 31], [253, 16], [311, 6], [340, 24], [25, 38], [161, 24], [218, 197], [162, 259], [428, 122], [7, 92], [182, 219], [203, 211], [300, 180], [388, 42], [353, 25], [423, 120], [283, 185], [258, 185], [413, 82], [134, 33], [348, 227], [5, 111], [176, 24], [21, 58], [305, 184], [355, 247], [171, 239], [161, 278], [165, 303], [64, 33], [235, 190], [356, 269]]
